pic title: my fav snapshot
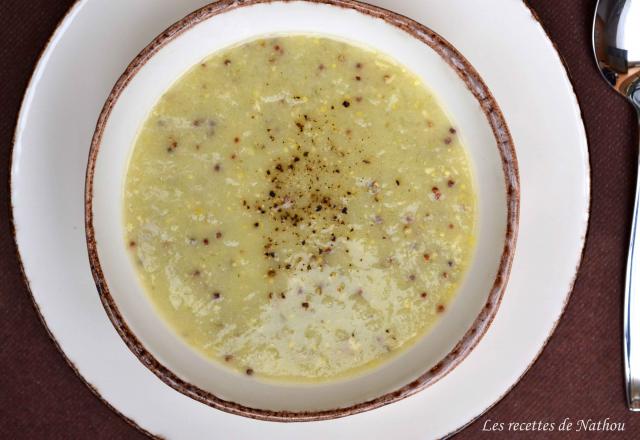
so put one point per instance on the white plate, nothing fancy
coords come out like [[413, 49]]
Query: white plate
[[86, 55]]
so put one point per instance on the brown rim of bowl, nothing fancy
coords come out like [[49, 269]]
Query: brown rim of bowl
[[471, 338]]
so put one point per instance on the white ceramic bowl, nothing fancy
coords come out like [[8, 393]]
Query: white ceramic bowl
[[465, 98]]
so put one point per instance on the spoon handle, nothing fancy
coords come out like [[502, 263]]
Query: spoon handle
[[631, 313]]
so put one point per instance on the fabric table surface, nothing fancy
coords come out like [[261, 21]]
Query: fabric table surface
[[578, 375]]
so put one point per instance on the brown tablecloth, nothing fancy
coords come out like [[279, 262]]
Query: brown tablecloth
[[578, 375]]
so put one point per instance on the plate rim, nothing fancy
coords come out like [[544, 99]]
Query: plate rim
[[39, 65]]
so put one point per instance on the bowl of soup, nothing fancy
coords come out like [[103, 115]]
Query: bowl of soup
[[300, 210]]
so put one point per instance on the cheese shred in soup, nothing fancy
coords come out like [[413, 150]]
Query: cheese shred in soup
[[299, 208]]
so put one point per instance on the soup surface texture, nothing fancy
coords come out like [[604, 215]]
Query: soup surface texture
[[299, 208]]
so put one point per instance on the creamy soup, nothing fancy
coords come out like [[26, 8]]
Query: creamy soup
[[299, 208]]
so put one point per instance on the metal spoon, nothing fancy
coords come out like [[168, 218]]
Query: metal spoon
[[616, 45]]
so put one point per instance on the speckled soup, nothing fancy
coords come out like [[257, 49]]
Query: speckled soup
[[299, 208]]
